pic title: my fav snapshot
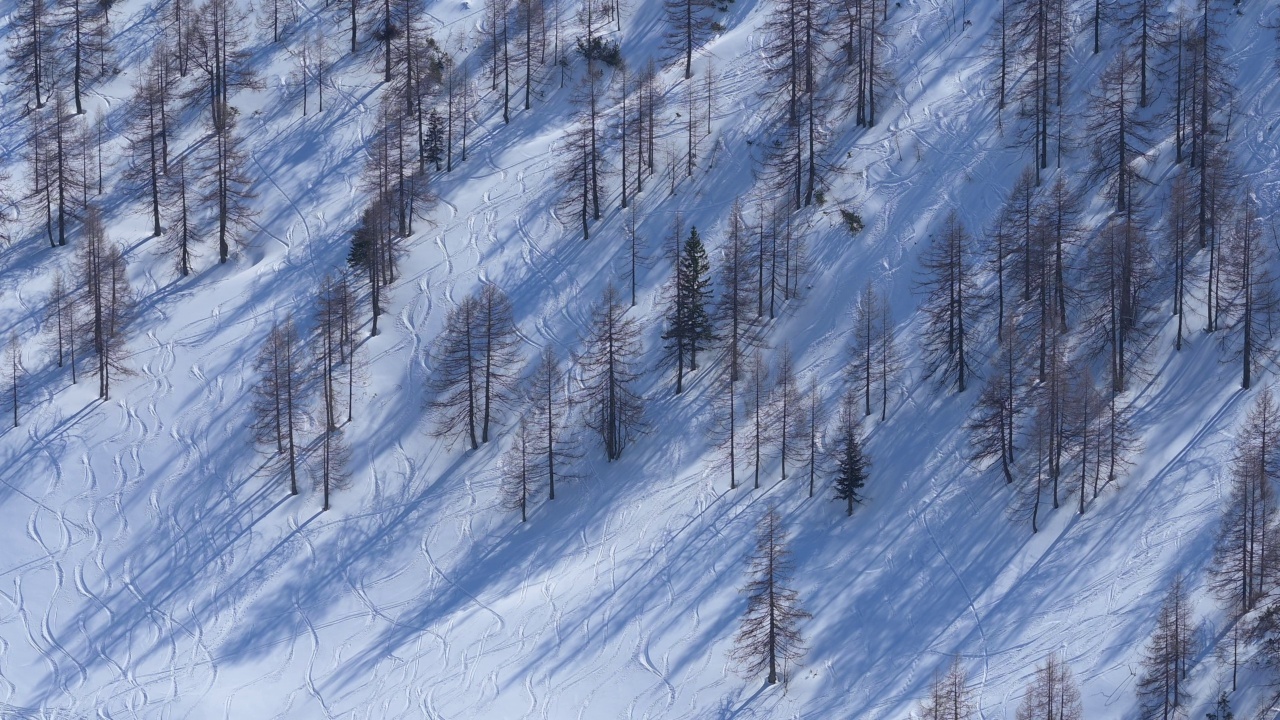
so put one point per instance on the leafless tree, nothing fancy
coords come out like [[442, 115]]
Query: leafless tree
[[815, 418], [180, 26], [311, 59], [993, 421], [552, 441], [218, 49], [532, 22], [107, 298], [228, 194], [1116, 128], [1162, 690], [726, 432], [393, 171], [183, 230], [737, 280], [1179, 226], [327, 346], [581, 160], [1205, 91], [30, 52], [60, 314], [998, 51], [1141, 21], [148, 134], [56, 157], [277, 406], [864, 365], [770, 633], [948, 304], [499, 340], [575, 173], [1086, 433], [1250, 285], [648, 100], [353, 18], [693, 132], [1176, 68], [1120, 280], [474, 358], [1244, 571], [786, 412], [334, 460], [1039, 43], [517, 471], [342, 293], [687, 29], [613, 407], [757, 412], [374, 253], [1050, 230], [865, 44], [1218, 187], [275, 17], [13, 366], [950, 697], [1053, 694], [81, 24], [796, 32]]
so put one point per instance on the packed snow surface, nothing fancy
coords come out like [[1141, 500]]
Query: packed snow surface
[[150, 568]]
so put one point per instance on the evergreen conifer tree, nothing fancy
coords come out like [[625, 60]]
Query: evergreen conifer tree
[[851, 463], [690, 320]]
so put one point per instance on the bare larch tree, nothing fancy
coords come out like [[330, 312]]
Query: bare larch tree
[[770, 634]]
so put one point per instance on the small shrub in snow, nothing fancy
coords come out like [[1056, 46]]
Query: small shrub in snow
[[852, 220], [598, 48]]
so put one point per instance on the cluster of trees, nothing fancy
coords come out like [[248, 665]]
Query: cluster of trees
[[86, 318], [306, 383], [52, 44], [1075, 313], [1161, 687], [57, 52], [477, 380], [425, 101], [1041, 411], [1052, 694], [1162, 690], [1245, 574], [823, 61], [764, 412], [769, 637], [201, 192], [1074, 309]]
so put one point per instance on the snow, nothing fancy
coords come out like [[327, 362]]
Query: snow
[[151, 569]]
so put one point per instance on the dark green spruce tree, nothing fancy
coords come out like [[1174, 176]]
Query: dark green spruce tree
[[850, 462], [689, 321]]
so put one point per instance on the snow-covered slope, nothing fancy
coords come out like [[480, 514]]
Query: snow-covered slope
[[149, 568]]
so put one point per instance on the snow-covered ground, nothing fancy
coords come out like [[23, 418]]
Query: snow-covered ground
[[149, 568]]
